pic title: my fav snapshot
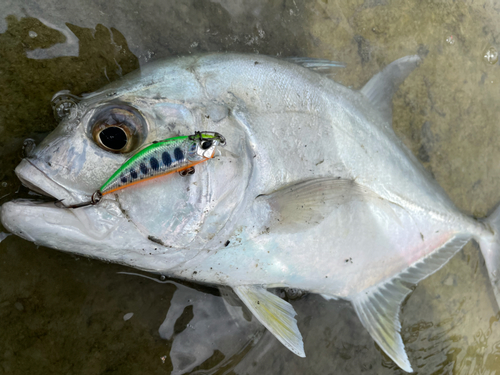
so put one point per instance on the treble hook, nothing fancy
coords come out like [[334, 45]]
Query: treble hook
[[188, 171]]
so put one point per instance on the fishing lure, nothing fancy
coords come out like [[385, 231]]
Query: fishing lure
[[178, 154]]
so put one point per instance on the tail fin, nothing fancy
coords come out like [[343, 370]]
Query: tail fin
[[490, 247]]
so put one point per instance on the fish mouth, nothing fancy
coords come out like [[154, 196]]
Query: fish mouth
[[36, 189], [36, 180], [49, 223], [102, 232], [22, 216]]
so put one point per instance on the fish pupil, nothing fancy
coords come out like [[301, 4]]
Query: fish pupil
[[133, 173], [167, 160], [113, 138], [155, 165], [143, 168], [178, 154]]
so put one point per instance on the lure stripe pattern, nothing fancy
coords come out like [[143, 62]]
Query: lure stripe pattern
[[153, 161]]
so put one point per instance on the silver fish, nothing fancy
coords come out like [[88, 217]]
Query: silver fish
[[313, 190]]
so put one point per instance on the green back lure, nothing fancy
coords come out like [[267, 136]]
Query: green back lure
[[178, 154]]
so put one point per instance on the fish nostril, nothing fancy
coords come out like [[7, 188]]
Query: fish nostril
[[28, 148]]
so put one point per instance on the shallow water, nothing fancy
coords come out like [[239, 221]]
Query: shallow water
[[64, 314]]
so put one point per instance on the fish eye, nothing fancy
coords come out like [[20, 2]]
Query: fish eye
[[117, 129], [206, 144]]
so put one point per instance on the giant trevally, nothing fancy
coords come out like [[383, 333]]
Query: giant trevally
[[312, 191]]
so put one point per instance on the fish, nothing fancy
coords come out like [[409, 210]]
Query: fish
[[313, 190]]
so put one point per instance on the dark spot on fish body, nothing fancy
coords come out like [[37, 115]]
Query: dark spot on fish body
[[227, 243], [195, 272], [123, 179], [178, 154], [155, 165], [167, 160], [143, 168], [156, 240]]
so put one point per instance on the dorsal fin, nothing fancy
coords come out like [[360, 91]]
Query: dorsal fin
[[318, 65], [378, 307], [383, 85]]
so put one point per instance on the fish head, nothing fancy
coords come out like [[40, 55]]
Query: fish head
[[154, 224]]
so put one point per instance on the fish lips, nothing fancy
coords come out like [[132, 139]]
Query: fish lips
[[51, 224], [34, 179]]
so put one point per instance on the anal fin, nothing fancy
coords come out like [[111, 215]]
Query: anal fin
[[378, 307], [275, 314]]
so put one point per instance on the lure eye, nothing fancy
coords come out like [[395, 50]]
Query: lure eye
[[205, 145], [118, 129]]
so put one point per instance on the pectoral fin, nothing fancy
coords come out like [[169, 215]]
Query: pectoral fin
[[275, 314], [308, 203]]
